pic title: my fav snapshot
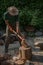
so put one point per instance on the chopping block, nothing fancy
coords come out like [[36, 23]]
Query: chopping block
[[25, 53]]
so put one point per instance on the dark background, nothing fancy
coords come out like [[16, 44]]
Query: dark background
[[30, 12]]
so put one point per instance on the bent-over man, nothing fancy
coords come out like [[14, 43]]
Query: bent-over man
[[11, 18]]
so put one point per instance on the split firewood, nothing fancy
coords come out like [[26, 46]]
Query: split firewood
[[4, 57], [7, 56], [19, 62], [7, 62]]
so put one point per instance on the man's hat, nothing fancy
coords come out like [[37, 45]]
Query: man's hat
[[13, 10]]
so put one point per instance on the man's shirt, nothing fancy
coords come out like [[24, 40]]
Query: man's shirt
[[11, 19]]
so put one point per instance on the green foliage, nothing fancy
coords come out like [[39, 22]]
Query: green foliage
[[25, 17], [30, 11]]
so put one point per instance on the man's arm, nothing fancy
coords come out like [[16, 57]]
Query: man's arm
[[17, 27], [10, 28]]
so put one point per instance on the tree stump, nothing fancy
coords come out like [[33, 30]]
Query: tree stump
[[26, 53]]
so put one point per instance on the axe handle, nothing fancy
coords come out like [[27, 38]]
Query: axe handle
[[15, 33]]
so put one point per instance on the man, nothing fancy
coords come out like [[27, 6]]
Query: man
[[12, 22]]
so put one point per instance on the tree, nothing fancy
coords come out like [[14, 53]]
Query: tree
[[30, 11]]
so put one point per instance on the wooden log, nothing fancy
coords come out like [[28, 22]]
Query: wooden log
[[26, 53], [4, 57], [24, 43], [7, 56], [14, 58], [7, 62], [19, 62], [41, 46]]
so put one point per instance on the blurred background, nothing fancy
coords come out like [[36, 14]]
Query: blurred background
[[30, 14]]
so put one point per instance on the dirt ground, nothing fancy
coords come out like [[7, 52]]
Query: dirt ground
[[37, 54]]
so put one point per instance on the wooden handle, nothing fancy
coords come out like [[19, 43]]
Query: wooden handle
[[15, 33]]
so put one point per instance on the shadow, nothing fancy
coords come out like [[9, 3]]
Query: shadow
[[31, 63], [13, 48], [37, 58]]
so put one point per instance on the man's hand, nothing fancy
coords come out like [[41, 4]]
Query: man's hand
[[10, 28]]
